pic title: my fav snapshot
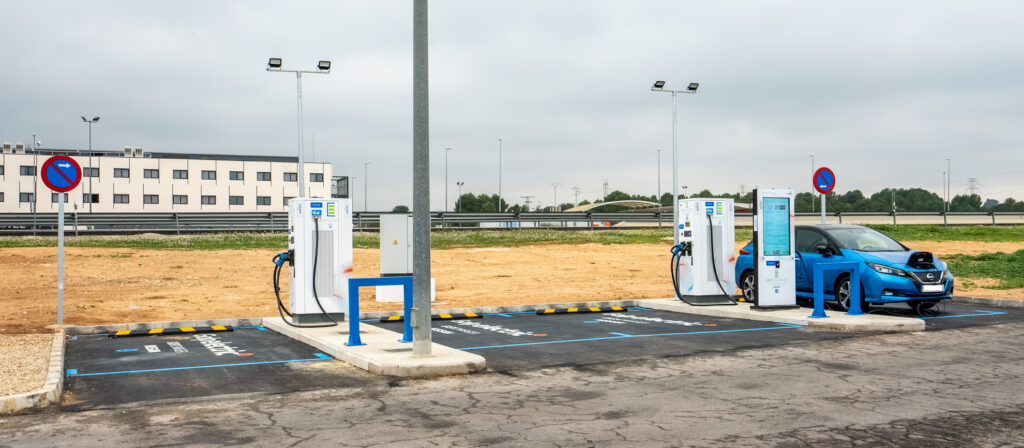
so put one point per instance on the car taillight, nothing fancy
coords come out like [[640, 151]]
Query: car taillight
[[744, 252]]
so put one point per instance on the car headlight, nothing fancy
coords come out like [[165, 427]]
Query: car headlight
[[883, 269]]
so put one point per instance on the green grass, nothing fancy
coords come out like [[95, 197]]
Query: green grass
[[488, 238], [956, 233], [1007, 268]]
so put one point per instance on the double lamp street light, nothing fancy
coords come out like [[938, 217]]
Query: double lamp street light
[[659, 86], [323, 68]]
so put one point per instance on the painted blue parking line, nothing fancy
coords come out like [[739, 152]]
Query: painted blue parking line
[[978, 313], [642, 308], [317, 357], [509, 313], [605, 338], [622, 334], [256, 327], [591, 321]]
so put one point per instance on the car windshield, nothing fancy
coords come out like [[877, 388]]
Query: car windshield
[[864, 240]]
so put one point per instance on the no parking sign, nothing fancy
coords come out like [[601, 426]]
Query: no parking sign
[[61, 174], [824, 181]]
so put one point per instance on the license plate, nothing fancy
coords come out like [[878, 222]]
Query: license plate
[[933, 288]]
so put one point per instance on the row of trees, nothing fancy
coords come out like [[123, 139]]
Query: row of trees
[[905, 199]]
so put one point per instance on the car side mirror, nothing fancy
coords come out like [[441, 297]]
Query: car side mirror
[[824, 250]]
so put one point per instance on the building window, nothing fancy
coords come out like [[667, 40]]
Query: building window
[[54, 196], [316, 177], [150, 199], [95, 198], [291, 177], [179, 199], [209, 175], [208, 200], [1, 196], [236, 175], [180, 174], [121, 172], [262, 200], [120, 199], [25, 197], [27, 170], [288, 198], [90, 172], [263, 176], [2, 170], [151, 174], [236, 200]]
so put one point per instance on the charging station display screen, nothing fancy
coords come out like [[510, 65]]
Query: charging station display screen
[[775, 216]]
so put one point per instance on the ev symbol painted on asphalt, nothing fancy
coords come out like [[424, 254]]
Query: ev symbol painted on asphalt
[[61, 173], [824, 180]]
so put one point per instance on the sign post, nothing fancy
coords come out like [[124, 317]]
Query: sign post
[[824, 181], [61, 174]]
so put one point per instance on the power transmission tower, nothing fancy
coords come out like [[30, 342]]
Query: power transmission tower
[[605, 190], [555, 186], [526, 200], [576, 197], [972, 185], [743, 190]]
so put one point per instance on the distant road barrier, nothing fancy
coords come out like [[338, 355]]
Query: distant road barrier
[[179, 223]]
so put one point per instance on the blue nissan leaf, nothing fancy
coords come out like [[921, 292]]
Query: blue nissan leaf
[[889, 271]]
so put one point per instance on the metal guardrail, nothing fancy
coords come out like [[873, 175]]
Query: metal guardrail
[[122, 223]]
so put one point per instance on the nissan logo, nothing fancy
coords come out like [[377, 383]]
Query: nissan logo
[[930, 276]]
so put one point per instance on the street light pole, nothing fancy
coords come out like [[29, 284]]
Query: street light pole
[[499, 175], [659, 178], [366, 188], [812, 181], [459, 201], [446, 178], [90, 122], [949, 183], [323, 68], [691, 89]]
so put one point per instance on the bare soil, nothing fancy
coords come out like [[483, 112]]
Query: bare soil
[[25, 360], [106, 285]]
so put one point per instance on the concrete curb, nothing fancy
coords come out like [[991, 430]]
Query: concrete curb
[[382, 354], [52, 388], [836, 321], [112, 328], [999, 303]]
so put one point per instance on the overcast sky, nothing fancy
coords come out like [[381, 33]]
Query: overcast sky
[[880, 91]]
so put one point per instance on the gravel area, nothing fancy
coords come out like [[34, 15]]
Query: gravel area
[[24, 360]]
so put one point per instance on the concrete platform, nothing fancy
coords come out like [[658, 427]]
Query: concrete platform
[[382, 354], [836, 320]]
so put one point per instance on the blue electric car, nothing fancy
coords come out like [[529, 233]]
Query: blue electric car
[[889, 271]]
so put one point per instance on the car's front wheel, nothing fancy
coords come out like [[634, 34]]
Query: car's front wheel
[[747, 283], [842, 293]]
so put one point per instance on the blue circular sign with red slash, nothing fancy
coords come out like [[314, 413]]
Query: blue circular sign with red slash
[[824, 180], [61, 173]]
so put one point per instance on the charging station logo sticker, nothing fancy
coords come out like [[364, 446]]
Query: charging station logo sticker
[[316, 208]]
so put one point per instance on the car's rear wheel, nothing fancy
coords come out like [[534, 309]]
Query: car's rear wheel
[[747, 283], [842, 294]]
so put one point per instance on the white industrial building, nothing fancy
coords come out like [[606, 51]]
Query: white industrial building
[[134, 180]]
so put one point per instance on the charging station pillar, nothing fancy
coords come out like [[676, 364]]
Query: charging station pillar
[[706, 234], [775, 254], [320, 237]]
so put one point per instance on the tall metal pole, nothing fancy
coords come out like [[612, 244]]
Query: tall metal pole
[[366, 188], [658, 200], [302, 174], [949, 183], [60, 258], [675, 176], [35, 183], [421, 183], [446, 178], [499, 175], [812, 181], [90, 167]]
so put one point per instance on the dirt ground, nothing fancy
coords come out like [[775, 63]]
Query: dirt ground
[[128, 285]]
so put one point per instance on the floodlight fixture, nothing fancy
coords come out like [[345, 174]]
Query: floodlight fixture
[[324, 65], [693, 86], [658, 85], [95, 119], [274, 63]]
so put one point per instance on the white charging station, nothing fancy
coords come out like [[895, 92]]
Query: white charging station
[[323, 227], [706, 260], [775, 256]]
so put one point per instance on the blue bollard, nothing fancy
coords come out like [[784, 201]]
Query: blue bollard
[[819, 294], [353, 313]]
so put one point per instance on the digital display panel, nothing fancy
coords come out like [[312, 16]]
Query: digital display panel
[[775, 222]]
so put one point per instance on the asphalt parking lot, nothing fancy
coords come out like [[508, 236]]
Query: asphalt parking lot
[[526, 340], [103, 371]]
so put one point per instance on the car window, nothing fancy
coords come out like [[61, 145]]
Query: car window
[[864, 240], [808, 240]]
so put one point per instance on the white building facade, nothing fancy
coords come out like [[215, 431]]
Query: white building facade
[[138, 181]]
